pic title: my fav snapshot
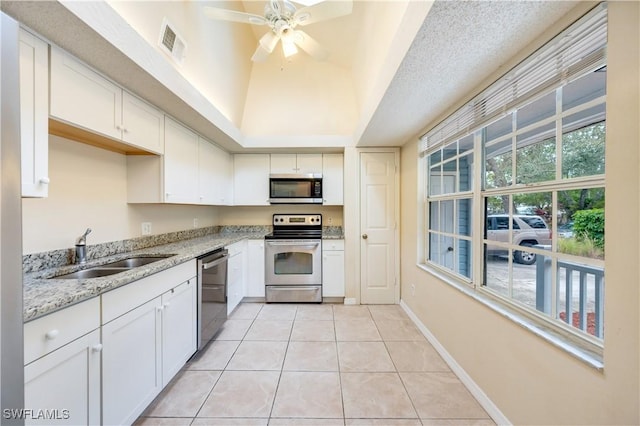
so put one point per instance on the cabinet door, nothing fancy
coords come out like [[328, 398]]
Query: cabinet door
[[142, 124], [66, 380], [333, 273], [283, 163], [82, 97], [309, 163], [235, 275], [332, 179], [180, 163], [254, 284], [251, 179], [34, 115], [178, 328], [132, 363], [215, 177]]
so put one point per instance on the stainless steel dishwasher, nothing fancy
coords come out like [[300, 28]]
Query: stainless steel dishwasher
[[212, 294]]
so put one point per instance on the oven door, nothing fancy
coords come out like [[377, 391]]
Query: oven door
[[293, 262]]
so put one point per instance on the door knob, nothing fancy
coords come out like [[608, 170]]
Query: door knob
[[365, 236]]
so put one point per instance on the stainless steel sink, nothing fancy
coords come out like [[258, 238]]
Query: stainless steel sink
[[133, 262], [91, 273], [113, 267]]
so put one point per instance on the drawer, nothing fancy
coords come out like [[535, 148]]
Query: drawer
[[332, 245], [55, 330], [123, 299]]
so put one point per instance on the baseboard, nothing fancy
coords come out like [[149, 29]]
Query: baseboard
[[475, 390], [350, 301]]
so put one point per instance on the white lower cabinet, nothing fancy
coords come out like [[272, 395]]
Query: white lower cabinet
[[132, 363], [254, 283], [333, 268], [63, 387], [179, 316], [62, 366], [145, 342], [235, 274]]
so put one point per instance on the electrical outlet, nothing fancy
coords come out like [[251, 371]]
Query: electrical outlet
[[329, 220], [146, 228], [413, 289], [195, 222]]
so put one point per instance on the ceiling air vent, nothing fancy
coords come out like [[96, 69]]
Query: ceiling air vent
[[171, 42]]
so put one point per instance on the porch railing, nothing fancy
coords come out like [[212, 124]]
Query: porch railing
[[587, 276]]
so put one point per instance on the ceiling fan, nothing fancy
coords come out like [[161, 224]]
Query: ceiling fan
[[282, 18]]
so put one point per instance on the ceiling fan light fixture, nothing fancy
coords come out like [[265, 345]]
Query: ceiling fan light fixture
[[269, 41], [288, 47]]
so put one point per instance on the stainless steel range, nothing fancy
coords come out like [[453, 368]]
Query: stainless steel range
[[293, 259]]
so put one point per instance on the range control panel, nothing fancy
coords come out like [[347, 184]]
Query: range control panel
[[297, 219]]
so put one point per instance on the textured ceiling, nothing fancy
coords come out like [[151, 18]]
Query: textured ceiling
[[458, 46]]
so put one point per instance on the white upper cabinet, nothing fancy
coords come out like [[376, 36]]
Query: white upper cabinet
[[83, 98], [34, 115], [296, 163], [142, 124], [180, 164], [216, 175], [251, 179], [333, 179]]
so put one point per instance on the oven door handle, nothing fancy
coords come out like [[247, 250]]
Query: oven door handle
[[296, 245], [223, 258]]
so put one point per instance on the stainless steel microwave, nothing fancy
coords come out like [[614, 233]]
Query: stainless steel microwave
[[295, 188]]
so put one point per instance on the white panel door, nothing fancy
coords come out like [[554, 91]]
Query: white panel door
[[377, 223]]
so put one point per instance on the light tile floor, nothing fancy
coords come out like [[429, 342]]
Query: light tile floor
[[281, 364]]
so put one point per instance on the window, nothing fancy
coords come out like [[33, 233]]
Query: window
[[527, 155]]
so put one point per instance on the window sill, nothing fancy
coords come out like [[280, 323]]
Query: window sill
[[573, 347]]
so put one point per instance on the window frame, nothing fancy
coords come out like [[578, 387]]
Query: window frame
[[549, 325]]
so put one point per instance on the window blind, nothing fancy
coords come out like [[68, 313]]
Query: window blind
[[579, 49]]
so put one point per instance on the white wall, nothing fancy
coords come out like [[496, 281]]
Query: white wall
[[89, 190], [208, 46], [530, 380]]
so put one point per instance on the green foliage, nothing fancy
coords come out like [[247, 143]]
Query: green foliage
[[589, 224], [585, 248]]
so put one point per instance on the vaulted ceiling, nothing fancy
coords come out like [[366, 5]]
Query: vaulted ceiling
[[393, 66]]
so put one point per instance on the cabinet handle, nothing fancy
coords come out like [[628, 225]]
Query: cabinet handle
[[96, 348], [159, 308], [52, 334], [166, 305], [119, 127], [45, 180]]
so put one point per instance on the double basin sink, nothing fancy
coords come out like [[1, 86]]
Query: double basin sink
[[113, 267]]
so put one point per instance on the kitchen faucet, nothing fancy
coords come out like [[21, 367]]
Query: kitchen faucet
[[81, 247]]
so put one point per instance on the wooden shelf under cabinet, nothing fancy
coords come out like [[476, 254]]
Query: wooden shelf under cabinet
[[77, 134]]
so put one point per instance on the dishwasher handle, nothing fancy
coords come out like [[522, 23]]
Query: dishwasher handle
[[216, 262]]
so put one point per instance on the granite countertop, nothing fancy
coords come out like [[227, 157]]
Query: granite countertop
[[44, 295]]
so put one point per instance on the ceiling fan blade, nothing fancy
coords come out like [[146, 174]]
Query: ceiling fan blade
[[261, 54], [233, 15], [322, 11], [309, 45]]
